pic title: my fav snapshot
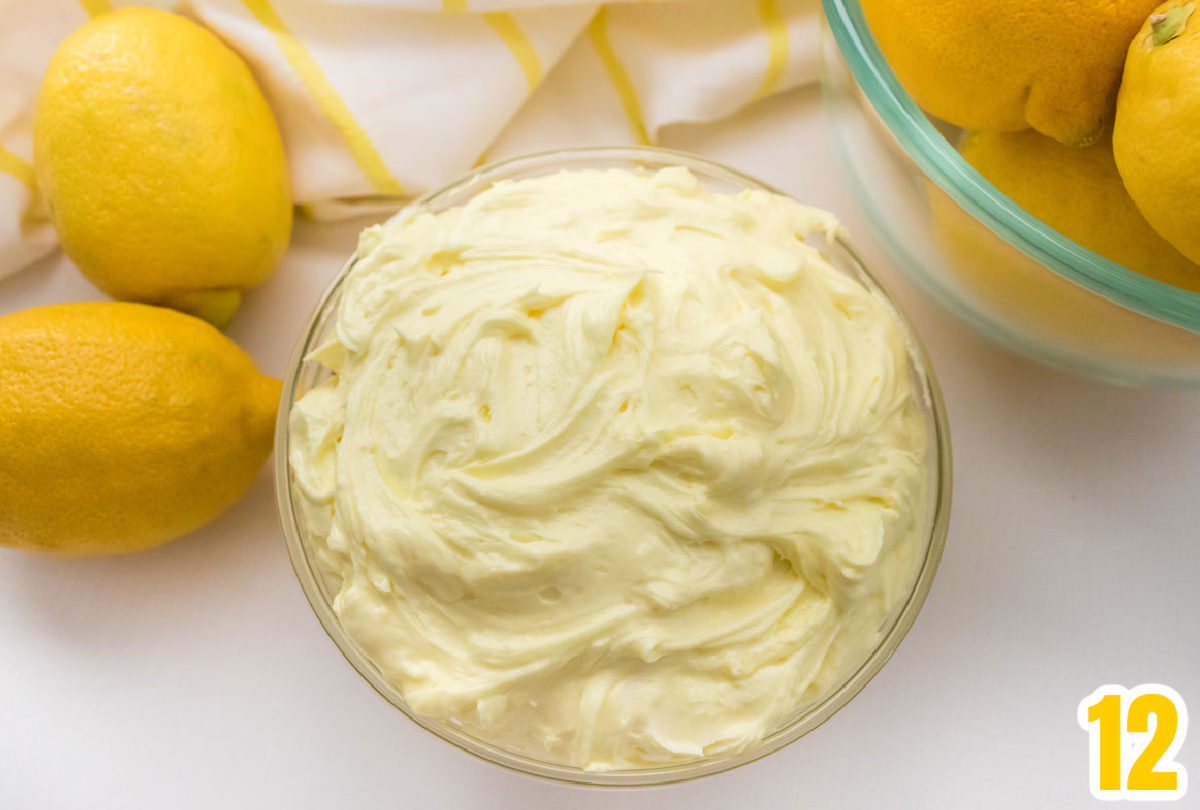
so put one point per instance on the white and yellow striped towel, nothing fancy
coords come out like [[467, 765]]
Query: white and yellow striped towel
[[397, 96]]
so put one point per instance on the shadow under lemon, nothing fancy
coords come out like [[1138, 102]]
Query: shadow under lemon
[[1079, 193]]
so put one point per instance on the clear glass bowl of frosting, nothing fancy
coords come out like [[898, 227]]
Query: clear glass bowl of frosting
[[844, 668], [1008, 275]]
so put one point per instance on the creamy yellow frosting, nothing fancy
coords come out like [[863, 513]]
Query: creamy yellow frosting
[[612, 471]]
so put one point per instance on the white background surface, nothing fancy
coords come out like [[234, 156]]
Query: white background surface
[[195, 675]]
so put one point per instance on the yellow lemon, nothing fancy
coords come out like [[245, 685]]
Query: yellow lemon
[[162, 163], [1011, 64], [1156, 136], [122, 426], [1026, 299], [1079, 193]]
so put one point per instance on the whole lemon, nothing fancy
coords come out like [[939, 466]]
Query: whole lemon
[[162, 163], [1156, 136], [1011, 64], [123, 426], [1079, 193]]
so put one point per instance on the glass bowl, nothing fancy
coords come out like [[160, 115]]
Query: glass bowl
[[304, 374], [1008, 275]]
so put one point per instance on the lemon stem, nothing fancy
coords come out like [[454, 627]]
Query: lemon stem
[[215, 306], [1168, 25]]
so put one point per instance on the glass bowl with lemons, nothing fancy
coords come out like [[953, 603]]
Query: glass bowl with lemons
[[982, 256]]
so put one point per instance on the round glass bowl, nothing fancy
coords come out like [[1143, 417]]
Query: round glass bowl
[[1010, 276], [304, 374]]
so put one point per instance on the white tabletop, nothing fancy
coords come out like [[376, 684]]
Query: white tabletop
[[195, 675]]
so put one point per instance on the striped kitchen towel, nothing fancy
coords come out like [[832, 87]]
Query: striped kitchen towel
[[394, 97]]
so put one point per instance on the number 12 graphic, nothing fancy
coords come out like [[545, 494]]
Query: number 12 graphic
[[1130, 756]]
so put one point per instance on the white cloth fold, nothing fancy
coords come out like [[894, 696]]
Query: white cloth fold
[[394, 98]]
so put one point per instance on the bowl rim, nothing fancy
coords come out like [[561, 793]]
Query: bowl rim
[[941, 162], [903, 617]]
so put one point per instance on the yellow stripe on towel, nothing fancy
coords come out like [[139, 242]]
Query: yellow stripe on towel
[[95, 7], [777, 46], [327, 98], [517, 43], [454, 6], [598, 33], [18, 167]]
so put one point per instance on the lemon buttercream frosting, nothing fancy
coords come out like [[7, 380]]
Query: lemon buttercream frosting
[[611, 470]]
